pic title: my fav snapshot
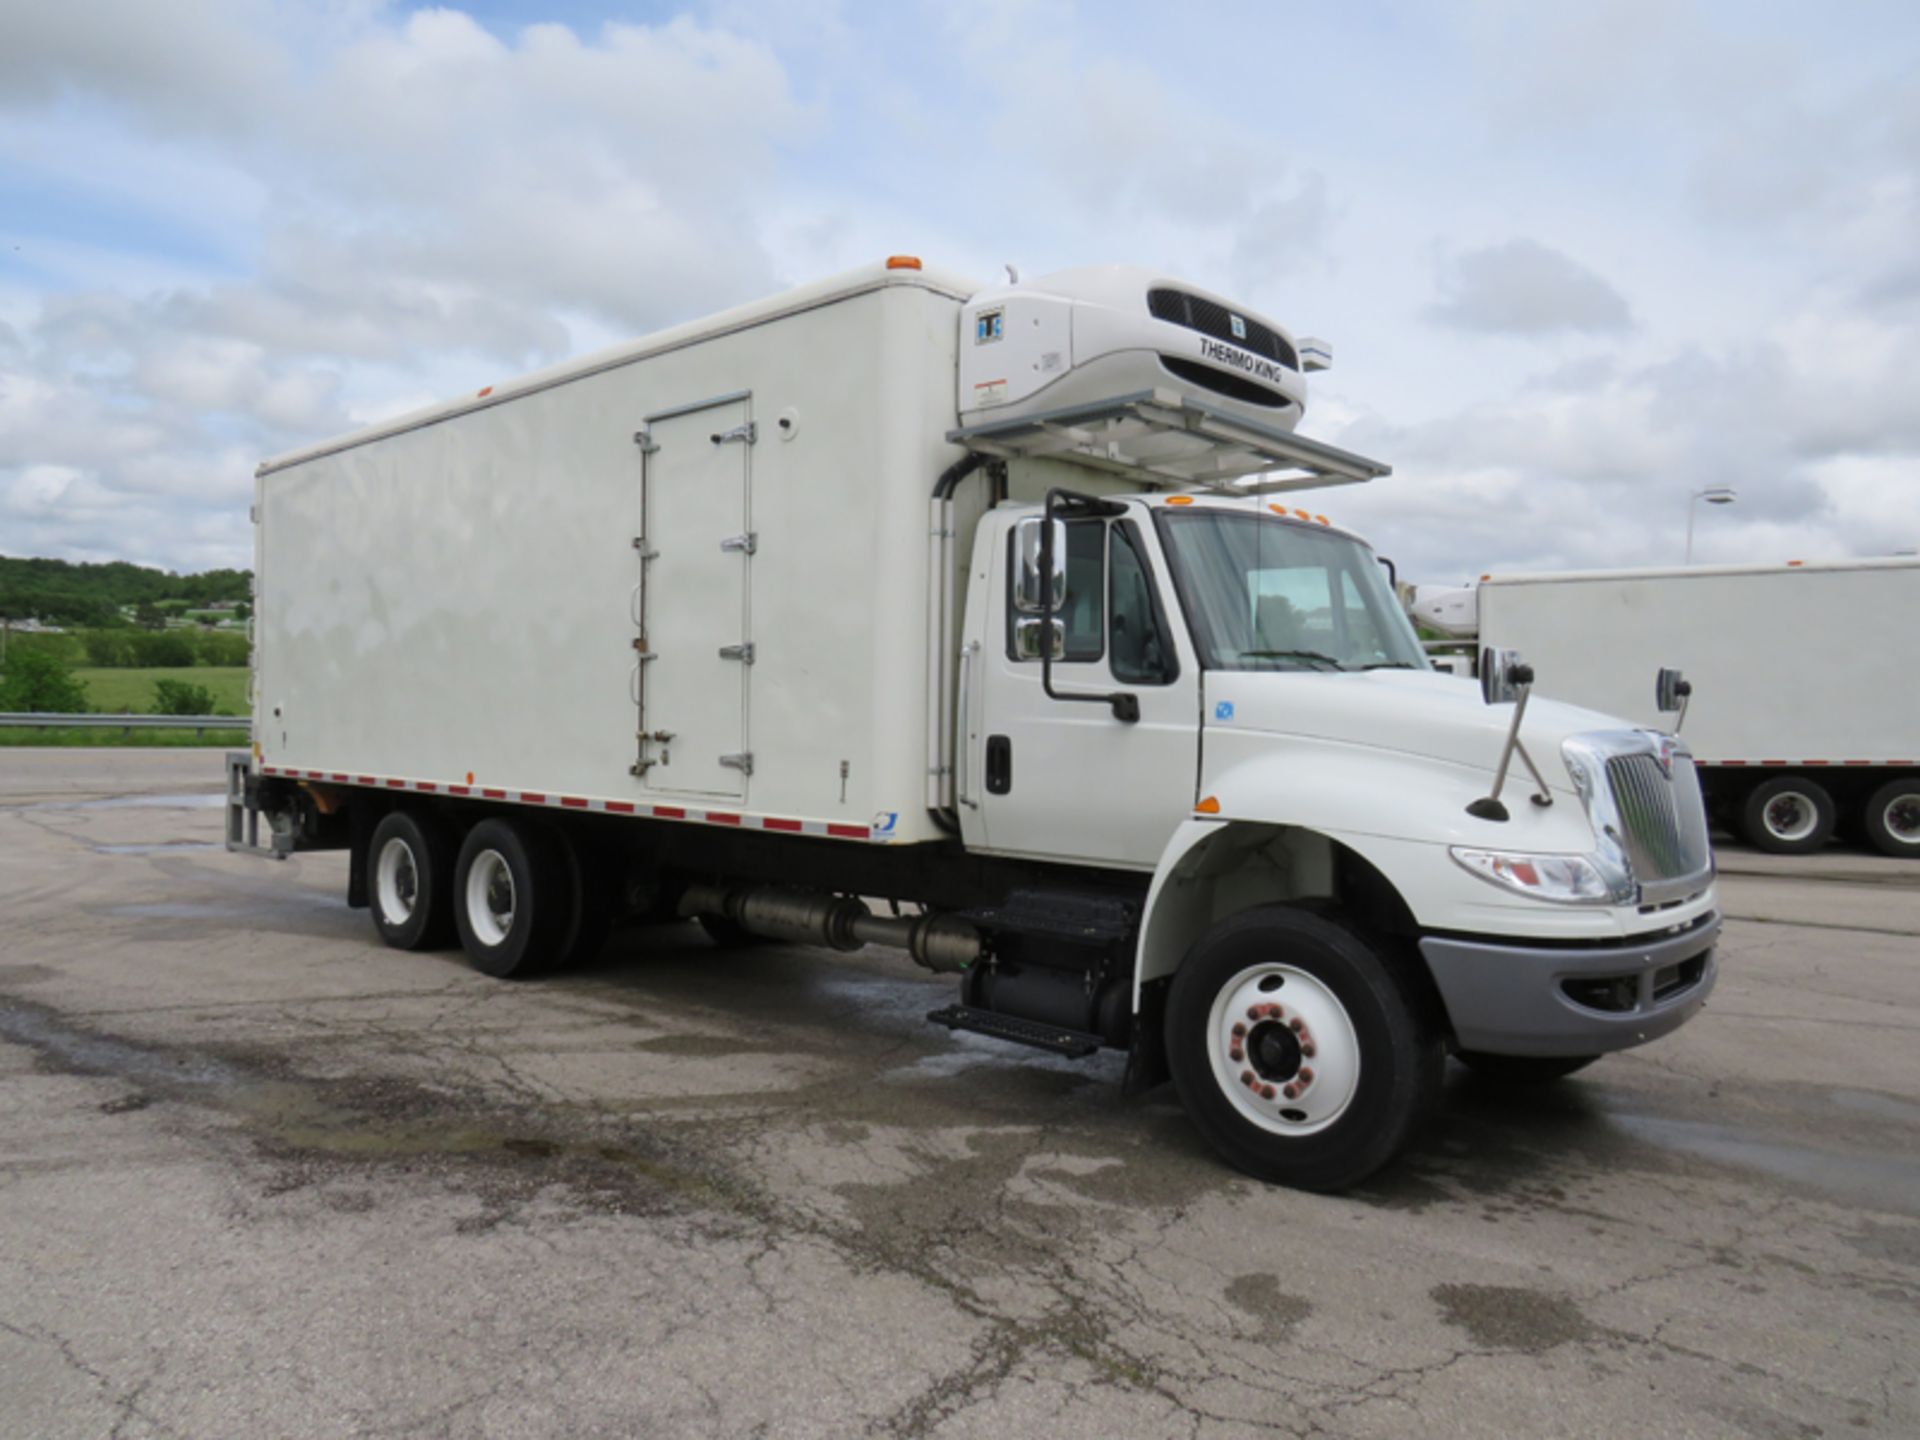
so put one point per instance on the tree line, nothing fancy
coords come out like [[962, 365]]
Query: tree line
[[63, 592]]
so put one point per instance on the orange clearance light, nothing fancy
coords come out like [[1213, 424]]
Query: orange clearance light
[[1278, 509], [1301, 515], [1208, 806], [469, 777], [484, 393], [1486, 577], [903, 262], [1796, 562], [1323, 520], [1179, 499]]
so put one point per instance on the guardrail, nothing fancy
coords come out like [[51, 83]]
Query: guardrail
[[199, 724]]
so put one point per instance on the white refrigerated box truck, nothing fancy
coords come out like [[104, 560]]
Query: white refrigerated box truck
[[995, 604], [1802, 713]]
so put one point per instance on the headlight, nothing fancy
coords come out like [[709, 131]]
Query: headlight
[[1562, 879]]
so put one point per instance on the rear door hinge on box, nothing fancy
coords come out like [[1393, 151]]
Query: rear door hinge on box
[[745, 544], [742, 762], [743, 652]]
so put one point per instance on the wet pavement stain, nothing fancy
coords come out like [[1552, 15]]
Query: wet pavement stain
[[1260, 1296], [1512, 1317]]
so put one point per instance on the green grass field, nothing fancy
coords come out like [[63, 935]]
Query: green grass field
[[108, 736], [130, 692]]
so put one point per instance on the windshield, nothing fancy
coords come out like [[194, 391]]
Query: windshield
[[1268, 595]]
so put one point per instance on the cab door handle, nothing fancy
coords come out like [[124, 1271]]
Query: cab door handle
[[999, 764]]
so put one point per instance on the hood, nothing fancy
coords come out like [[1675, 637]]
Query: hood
[[1414, 712]]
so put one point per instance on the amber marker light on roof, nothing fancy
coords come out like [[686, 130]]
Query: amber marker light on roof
[[903, 262], [1323, 520], [1208, 806], [484, 393], [1179, 499]]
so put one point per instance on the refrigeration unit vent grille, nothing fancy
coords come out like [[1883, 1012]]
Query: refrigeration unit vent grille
[[1210, 317]]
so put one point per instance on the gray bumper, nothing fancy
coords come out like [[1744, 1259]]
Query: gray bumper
[[1513, 999]]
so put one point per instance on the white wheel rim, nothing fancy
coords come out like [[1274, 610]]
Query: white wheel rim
[[1791, 815], [1901, 818], [490, 897], [1293, 1037], [397, 880]]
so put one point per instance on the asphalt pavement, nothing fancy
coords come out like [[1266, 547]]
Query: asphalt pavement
[[260, 1176]]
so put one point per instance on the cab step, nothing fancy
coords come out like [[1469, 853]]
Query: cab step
[[1074, 1044]]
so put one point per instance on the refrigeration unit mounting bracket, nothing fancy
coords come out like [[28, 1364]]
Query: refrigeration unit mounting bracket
[[1172, 441]]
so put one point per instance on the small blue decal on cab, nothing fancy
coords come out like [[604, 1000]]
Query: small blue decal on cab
[[1224, 710], [884, 822]]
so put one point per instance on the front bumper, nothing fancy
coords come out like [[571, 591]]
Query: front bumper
[[1534, 1000]]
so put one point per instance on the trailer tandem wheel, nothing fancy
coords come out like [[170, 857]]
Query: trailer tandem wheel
[[1893, 817], [1790, 815], [1297, 1051]]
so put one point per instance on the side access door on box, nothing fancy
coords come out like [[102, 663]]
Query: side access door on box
[[693, 650]]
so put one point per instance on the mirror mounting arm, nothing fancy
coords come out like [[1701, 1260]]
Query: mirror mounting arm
[[1520, 678], [1125, 707]]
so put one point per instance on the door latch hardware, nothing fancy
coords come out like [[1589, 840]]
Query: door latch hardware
[[746, 543], [640, 544], [640, 644], [645, 442], [659, 737], [746, 434], [640, 767], [742, 653], [742, 762]]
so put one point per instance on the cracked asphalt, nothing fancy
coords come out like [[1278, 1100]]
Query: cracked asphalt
[[260, 1176]]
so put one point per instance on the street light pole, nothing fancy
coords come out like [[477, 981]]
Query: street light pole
[[1713, 495]]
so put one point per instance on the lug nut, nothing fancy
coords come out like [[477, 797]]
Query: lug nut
[[1297, 1025], [1306, 1076], [1307, 1049], [1292, 1092], [1236, 1054], [1247, 1079], [1254, 1012], [1266, 1092], [1239, 1031]]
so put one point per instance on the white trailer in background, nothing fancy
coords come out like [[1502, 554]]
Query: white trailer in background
[[993, 604], [1805, 709]]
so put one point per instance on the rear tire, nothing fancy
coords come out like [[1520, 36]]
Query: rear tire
[[1892, 818], [511, 898], [1523, 1069], [590, 902], [1788, 816], [1331, 1069], [410, 867]]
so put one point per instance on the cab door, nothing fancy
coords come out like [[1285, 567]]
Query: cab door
[[1067, 780]]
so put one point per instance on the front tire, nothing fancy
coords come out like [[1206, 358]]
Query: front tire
[[410, 864], [1893, 818], [1296, 1050], [511, 899], [1789, 816]]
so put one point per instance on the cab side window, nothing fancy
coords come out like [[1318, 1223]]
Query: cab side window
[[1142, 652]]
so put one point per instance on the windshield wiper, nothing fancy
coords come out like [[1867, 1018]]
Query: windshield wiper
[[1391, 665], [1326, 660]]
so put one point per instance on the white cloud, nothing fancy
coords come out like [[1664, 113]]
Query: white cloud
[[1525, 288]]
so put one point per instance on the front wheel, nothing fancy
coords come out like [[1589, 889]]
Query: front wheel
[[1297, 1051]]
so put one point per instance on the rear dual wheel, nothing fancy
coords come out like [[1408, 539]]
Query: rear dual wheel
[[1297, 1050], [527, 900], [1893, 818], [411, 864], [1788, 816]]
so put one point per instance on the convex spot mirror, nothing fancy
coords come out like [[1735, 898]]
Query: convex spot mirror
[[1027, 593], [1026, 637], [1670, 691], [1502, 674]]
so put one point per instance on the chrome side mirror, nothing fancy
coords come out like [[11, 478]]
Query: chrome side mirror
[[1026, 637], [1027, 594], [1502, 675], [1671, 690]]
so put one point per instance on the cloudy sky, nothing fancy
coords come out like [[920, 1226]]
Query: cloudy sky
[[1577, 261]]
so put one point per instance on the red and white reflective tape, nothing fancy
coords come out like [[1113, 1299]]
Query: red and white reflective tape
[[1815, 764], [738, 819]]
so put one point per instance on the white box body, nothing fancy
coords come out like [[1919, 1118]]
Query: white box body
[[451, 600], [1794, 664]]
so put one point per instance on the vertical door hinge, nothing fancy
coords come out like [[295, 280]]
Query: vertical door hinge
[[746, 544], [742, 652], [644, 440], [742, 762]]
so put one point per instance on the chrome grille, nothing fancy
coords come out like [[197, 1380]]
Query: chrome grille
[[1663, 823]]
